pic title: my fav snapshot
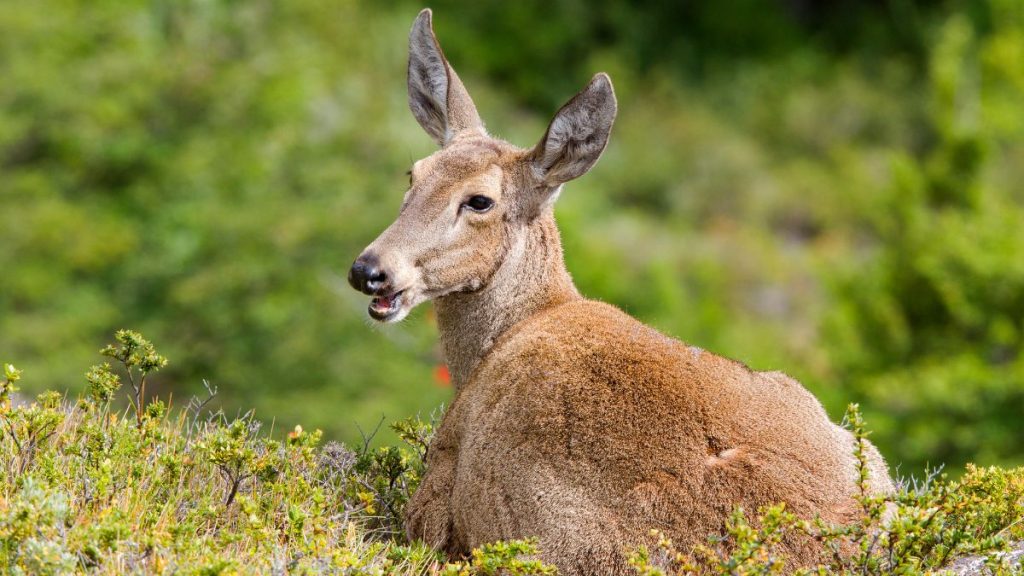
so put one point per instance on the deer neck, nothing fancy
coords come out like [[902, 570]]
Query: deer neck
[[531, 278]]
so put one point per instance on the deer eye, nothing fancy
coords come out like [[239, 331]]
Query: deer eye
[[479, 203]]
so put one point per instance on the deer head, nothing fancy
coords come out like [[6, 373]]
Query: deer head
[[469, 203]]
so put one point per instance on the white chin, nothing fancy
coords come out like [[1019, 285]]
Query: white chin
[[397, 316]]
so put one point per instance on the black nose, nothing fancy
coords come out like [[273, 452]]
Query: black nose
[[367, 275]]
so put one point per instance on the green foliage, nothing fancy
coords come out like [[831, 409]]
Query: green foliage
[[171, 161], [89, 491], [7, 387], [29, 428], [238, 455], [102, 384], [30, 526], [502, 558], [832, 190], [931, 329], [135, 353], [139, 358]]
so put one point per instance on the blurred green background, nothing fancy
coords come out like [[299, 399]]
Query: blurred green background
[[833, 189]]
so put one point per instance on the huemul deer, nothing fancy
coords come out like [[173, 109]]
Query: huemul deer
[[573, 422]]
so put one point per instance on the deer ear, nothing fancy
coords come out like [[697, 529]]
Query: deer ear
[[577, 135], [437, 97]]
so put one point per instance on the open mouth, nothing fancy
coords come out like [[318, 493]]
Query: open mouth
[[384, 308]]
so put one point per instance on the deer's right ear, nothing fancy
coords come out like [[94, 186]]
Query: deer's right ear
[[437, 97]]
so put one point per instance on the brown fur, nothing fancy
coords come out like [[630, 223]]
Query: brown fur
[[573, 422]]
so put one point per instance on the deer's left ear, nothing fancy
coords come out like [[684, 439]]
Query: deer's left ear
[[437, 97], [577, 135]]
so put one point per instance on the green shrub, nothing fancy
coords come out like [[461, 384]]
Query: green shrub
[[94, 490], [930, 329], [90, 490], [832, 191]]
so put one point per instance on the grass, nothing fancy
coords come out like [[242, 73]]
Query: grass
[[89, 489]]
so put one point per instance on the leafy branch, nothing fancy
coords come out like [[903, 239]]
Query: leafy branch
[[139, 358]]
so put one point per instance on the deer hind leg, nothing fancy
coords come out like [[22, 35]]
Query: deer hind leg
[[576, 531], [582, 538], [576, 553]]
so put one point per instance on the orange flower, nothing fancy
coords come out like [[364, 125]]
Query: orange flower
[[442, 376]]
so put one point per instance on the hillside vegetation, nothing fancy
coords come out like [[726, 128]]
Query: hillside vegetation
[[152, 490], [828, 189]]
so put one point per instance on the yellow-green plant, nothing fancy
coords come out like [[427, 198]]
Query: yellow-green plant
[[91, 490], [87, 490], [138, 357]]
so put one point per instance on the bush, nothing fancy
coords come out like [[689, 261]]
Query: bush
[[829, 189], [930, 330], [92, 490], [89, 489]]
